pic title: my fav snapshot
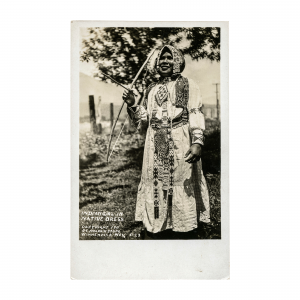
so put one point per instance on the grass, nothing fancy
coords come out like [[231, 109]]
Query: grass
[[112, 188]]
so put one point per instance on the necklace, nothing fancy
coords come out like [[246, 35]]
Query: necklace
[[165, 80]]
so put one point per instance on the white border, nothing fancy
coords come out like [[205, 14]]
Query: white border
[[191, 259]]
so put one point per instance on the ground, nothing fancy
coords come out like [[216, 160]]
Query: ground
[[112, 188]]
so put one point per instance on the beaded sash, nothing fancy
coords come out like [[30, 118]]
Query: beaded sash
[[163, 168]]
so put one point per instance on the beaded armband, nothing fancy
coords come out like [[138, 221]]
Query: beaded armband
[[197, 136]]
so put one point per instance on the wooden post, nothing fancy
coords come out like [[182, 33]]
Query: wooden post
[[99, 128], [111, 115], [92, 114], [99, 115]]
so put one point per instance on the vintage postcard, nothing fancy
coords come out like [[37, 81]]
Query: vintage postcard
[[150, 187]]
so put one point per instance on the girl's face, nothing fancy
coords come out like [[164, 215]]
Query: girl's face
[[165, 64]]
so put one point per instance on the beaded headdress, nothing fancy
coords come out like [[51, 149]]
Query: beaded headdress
[[178, 58]]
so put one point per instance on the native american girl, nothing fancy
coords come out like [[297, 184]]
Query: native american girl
[[172, 193]]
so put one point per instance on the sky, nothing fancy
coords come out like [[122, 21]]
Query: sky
[[204, 72]]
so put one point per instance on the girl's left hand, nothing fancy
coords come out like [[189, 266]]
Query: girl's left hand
[[194, 154]]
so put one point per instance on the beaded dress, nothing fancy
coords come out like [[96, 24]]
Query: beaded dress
[[172, 193]]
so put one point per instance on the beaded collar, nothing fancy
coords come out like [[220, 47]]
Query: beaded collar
[[165, 80]]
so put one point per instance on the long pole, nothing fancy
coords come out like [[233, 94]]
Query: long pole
[[111, 115], [132, 84], [117, 83]]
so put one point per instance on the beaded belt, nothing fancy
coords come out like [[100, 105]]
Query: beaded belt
[[178, 121]]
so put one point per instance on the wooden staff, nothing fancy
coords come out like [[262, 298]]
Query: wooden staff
[[130, 89]]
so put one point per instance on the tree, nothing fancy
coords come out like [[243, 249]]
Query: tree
[[121, 51]]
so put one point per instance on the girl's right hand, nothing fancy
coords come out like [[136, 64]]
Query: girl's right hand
[[128, 97]]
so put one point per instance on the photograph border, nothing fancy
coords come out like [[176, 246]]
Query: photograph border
[[136, 259]]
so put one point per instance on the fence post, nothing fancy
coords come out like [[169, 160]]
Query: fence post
[[99, 115], [92, 114]]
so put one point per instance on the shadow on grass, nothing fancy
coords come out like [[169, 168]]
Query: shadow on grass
[[132, 225], [136, 154], [89, 184], [95, 201], [85, 163], [114, 187]]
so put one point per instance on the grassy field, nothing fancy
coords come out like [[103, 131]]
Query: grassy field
[[108, 191]]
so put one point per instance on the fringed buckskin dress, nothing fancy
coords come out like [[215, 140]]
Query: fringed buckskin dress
[[172, 193]]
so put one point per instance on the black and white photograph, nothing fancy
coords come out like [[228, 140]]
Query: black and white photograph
[[150, 133], [149, 150]]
